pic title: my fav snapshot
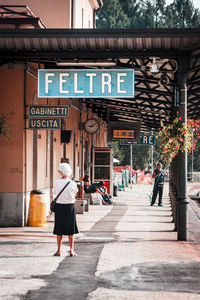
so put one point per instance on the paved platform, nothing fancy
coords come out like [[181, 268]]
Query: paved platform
[[125, 251]]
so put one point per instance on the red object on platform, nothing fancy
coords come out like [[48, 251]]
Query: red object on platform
[[107, 185]]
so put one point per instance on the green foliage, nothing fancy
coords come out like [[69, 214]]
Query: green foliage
[[196, 158], [148, 14], [117, 152], [141, 155], [182, 14], [176, 137], [112, 15]]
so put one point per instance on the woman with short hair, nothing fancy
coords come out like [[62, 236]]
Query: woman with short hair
[[65, 215]]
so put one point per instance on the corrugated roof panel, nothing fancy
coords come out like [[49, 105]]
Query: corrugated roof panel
[[147, 43], [5, 43], [59, 40], [63, 43], [104, 44], [92, 43], [87, 41], [35, 43], [56, 44], [73, 43], [50, 43], [139, 43]]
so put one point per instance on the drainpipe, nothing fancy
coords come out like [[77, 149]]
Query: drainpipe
[[25, 151], [73, 13], [182, 74], [95, 10]]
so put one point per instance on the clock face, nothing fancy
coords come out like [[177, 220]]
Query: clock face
[[91, 126]]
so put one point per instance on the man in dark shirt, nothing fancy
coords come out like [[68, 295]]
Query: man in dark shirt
[[159, 176], [93, 188], [97, 187]]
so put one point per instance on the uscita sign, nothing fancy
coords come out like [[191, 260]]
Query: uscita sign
[[85, 83], [44, 123]]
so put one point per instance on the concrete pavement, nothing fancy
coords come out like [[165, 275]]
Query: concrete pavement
[[126, 251]]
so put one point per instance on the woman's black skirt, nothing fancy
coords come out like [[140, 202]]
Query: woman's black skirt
[[65, 220]]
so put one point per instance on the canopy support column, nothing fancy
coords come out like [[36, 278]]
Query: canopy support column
[[182, 161]]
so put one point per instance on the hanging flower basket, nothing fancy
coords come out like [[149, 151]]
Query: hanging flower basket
[[177, 137], [5, 129]]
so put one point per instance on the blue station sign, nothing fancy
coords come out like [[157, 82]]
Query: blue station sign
[[47, 123], [145, 139], [86, 83], [49, 111]]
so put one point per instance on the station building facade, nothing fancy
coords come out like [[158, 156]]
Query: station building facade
[[30, 159]]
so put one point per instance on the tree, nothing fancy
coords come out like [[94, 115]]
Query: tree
[[182, 14], [152, 13], [141, 156], [148, 14], [112, 15], [117, 152]]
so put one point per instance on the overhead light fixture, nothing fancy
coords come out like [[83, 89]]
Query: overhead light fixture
[[87, 63], [154, 68]]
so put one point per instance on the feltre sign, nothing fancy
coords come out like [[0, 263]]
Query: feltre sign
[[86, 83]]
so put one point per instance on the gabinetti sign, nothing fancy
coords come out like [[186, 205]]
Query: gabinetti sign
[[86, 83]]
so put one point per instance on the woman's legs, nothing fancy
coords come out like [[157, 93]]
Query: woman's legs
[[59, 243], [71, 245]]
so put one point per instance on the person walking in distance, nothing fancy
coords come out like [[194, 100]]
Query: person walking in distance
[[65, 215], [159, 176]]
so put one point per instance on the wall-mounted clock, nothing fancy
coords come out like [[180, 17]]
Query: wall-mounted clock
[[91, 126]]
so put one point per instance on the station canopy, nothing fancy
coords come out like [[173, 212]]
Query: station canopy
[[154, 54]]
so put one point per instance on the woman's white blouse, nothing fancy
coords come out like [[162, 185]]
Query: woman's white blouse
[[69, 193]]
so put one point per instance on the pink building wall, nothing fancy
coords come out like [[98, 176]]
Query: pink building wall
[[11, 152], [25, 162], [54, 14]]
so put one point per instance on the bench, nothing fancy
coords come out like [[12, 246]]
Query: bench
[[81, 205]]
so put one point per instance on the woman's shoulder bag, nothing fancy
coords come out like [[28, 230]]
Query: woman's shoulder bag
[[53, 203]]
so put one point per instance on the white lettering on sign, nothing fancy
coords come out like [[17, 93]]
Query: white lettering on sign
[[85, 83], [62, 80], [44, 123], [119, 80], [151, 140], [106, 82], [145, 139], [91, 75], [47, 81], [49, 111], [76, 85]]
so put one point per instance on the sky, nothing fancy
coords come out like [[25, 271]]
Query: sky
[[195, 2]]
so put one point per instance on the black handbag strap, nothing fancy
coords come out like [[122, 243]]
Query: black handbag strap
[[61, 191]]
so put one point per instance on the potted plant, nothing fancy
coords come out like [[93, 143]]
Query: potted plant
[[177, 137], [5, 129]]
